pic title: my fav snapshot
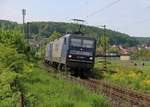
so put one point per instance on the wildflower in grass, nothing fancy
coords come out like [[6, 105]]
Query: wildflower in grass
[[117, 76], [145, 82], [28, 68], [134, 75]]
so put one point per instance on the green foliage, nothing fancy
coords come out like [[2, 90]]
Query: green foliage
[[49, 90], [142, 53], [47, 28], [7, 24], [143, 40], [13, 39], [101, 44], [54, 36], [13, 70], [14, 67], [40, 89], [113, 50], [126, 74], [104, 41]]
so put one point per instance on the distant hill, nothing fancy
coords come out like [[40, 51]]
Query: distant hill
[[143, 40], [7, 24], [45, 29]]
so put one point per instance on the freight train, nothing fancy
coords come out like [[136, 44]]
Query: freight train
[[73, 52]]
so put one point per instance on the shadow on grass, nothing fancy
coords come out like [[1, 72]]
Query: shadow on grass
[[99, 71]]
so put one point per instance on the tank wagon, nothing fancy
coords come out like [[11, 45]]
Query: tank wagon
[[73, 51]]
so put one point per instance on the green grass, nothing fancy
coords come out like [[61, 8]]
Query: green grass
[[48, 90], [125, 73]]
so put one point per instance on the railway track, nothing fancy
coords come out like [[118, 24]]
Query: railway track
[[119, 96]]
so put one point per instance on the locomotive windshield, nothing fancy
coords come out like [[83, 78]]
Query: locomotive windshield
[[87, 43], [77, 42]]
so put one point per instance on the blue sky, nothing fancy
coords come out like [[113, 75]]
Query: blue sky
[[127, 16]]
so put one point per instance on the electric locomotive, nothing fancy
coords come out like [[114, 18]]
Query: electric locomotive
[[74, 51]]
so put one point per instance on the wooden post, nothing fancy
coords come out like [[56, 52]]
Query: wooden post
[[21, 100]]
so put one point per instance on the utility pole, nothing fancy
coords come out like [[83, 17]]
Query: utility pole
[[23, 16], [105, 49], [24, 32], [28, 31]]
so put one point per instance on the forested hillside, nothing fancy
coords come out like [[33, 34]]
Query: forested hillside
[[143, 40], [7, 24], [45, 29]]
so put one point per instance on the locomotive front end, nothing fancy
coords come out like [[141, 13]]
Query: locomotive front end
[[81, 53]]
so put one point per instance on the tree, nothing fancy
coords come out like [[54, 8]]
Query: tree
[[113, 50], [142, 53], [13, 39], [104, 43], [54, 36], [14, 67]]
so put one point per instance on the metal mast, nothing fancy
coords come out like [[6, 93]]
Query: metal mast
[[105, 49], [23, 16]]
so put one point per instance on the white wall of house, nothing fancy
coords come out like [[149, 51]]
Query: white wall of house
[[124, 58]]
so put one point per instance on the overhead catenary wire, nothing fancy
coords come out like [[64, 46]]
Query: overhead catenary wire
[[107, 6], [143, 21], [102, 9], [76, 10], [96, 12]]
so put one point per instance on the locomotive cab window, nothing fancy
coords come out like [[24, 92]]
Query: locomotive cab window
[[85, 43], [76, 42], [88, 43]]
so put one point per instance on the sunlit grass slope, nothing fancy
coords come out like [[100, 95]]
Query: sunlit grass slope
[[131, 74], [48, 90]]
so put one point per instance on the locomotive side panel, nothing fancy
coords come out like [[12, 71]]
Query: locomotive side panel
[[59, 50], [64, 50], [48, 54]]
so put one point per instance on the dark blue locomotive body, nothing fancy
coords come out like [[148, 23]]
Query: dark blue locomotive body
[[73, 51]]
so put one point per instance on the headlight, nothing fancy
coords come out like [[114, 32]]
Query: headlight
[[91, 58], [70, 56]]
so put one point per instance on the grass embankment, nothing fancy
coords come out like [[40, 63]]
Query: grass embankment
[[130, 74], [48, 90]]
